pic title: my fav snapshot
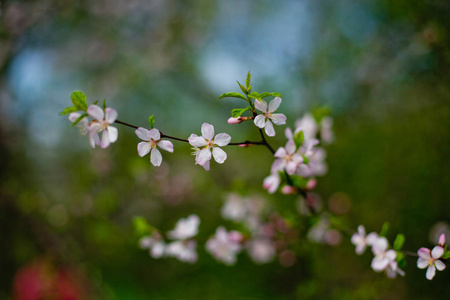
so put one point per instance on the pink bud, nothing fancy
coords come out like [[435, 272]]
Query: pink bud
[[235, 236], [234, 120], [287, 190], [311, 184], [441, 240]]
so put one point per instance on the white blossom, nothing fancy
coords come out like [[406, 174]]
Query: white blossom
[[152, 139], [265, 119], [102, 123]]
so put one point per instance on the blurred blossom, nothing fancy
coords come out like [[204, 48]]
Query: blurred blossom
[[339, 203], [261, 250], [184, 251], [154, 244], [326, 133], [234, 208], [383, 256], [308, 125], [185, 228], [224, 246]]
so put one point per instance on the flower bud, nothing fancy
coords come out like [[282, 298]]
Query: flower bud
[[288, 190], [442, 240], [234, 120]]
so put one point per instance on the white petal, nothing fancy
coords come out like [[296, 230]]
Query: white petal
[[261, 105], [290, 147], [439, 265], [104, 143], [222, 139], [431, 271], [271, 183], [297, 158], [274, 104], [113, 133], [206, 165], [379, 245], [95, 112], [155, 157], [288, 133], [278, 165], [437, 252], [166, 145], [142, 133], [154, 134], [143, 148], [291, 167], [371, 238], [219, 155], [260, 121], [278, 119], [422, 263], [203, 156], [157, 250], [269, 128], [379, 263], [74, 116], [424, 252], [94, 139], [207, 131], [391, 255], [111, 115], [197, 141], [280, 153]]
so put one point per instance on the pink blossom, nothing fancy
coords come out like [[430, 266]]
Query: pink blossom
[[261, 250], [361, 241], [265, 119], [383, 257], [271, 183], [429, 259], [308, 125], [102, 122], [287, 159], [183, 250], [152, 139], [154, 243], [224, 246], [185, 228]]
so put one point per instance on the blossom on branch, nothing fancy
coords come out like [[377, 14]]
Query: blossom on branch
[[102, 121], [429, 259], [383, 257], [83, 124], [152, 139], [185, 228], [287, 159], [361, 241], [208, 143], [265, 119]]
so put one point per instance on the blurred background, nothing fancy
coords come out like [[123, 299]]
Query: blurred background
[[66, 210]]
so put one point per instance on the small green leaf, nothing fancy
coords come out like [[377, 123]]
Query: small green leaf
[[247, 81], [446, 254], [399, 241], [96, 102], [384, 229], [79, 100], [239, 111], [104, 105], [299, 138], [151, 121], [265, 94], [305, 160], [232, 95], [299, 182], [79, 119], [141, 226], [254, 95], [401, 259], [68, 110], [243, 88]]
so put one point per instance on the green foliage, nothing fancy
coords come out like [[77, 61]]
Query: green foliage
[[104, 104], [401, 259], [299, 138], [141, 227], [399, 241], [247, 81], [266, 94], [68, 110], [151, 121], [232, 95], [446, 254], [321, 112], [384, 229], [243, 88], [236, 112], [79, 100]]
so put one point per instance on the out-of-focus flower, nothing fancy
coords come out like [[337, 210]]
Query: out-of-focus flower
[[152, 139], [383, 257], [430, 259], [183, 250], [83, 124], [207, 143], [326, 134], [392, 270], [271, 183], [361, 241], [234, 208], [185, 228], [308, 125], [261, 250], [102, 122], [287, 159], [265, 119], [224, 246], [154, 243]]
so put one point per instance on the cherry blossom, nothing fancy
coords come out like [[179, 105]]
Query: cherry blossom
[[429, 259], [326, 134], [383, 257], [102, 122], [183, 250], [361, 241], [207, 143], [152, 139], [224, 246], [261, 250], [392, 270], [265, 119], [154, 243], [308, 125], [272, 182], [288, 159], [234, 208], [83, 124], [185, 228]]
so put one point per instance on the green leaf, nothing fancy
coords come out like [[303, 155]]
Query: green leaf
[[243, 88], [68, 110], [384, 229], [299, 138], [239, 111], [254, 95], [104, 105], [401, 259], [305, 160], [79, 100], [446, 254], [399, 241], [95, 103], [141, 226], [247, 81], [79, 119], [265, 94], [232, 95], [299, 182], [151, 120]]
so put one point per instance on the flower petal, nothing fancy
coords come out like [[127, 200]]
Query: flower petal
[[166, 145], [74, 116], [280, 153], [379, 263], [291, 167], [274, 104], [269, 128], [278, 119], [431, 271], [104, 143], [437, 252], [207, 131], [94, 139], [96, 112], [113, 133], [111, 115], [222, 139], [203, 156], [422, 263], [154, 134], [290, 147], [155, 157], [261, 105], [278, 165], [143, 148], [142, 133], [260, 121], [197, 141], [219, 155], [206, 165], [439, 265], [424, 252]]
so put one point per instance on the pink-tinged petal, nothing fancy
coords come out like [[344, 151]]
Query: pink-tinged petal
[[166, 145], [94, 139], [291, 167], [422, 263], [278, 119], [111, 115], [442, 240], [157, 250], [280, 153], [222, 139], [439, 265], [288, 133], [143, 148], [96, 112], [424, 252], [271, 183], [379, 245], [391, 255], [206, 165], [379, 263], [290, 147], [74, 116], [197, 141], [219, 155], [260, 121], [261, 105], [104, 143], [203, 156], [95, 127], [113, 133], [278, 165], [431, 271], [297, 158], [269, 128], [274, 104], [142, 133], [207, 131], [371, 238], [437, 252], [155, 157], [154, 134]]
